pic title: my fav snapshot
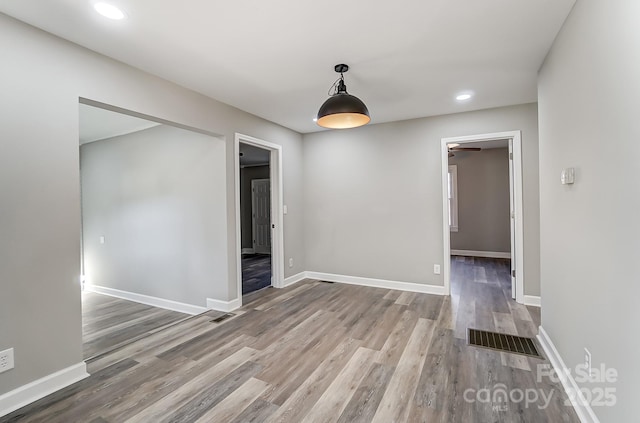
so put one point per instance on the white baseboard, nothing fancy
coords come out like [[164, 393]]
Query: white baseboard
[[148, 300], [378, 283], [532, 300], [487, 254], [294, 279], [225, 306], [248, 251], [31, 392], [583, 408]]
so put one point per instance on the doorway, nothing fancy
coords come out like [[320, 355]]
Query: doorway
[[149, 190], [512, 271], [259, 214], [255, 217]]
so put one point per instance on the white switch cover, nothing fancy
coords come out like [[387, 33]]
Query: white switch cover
[[101, 240], [568, 176], [291, 262], [436, 269], [6, 360], [284, 209]]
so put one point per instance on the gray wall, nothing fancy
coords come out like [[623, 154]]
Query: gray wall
[[483, 201], [247, 175], [158, 197], [590, 235], [40, 184], [373, 195]]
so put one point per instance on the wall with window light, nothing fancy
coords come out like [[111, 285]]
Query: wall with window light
[[483, 201], [154, 214]]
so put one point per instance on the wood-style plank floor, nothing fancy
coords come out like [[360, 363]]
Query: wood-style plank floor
[[321, 352], [109, 322]]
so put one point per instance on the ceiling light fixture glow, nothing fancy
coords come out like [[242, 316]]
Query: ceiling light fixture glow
[[342, 110], [109, 11], [463, 97]]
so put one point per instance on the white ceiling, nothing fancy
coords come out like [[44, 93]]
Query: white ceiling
[[99, 124], [275, 59], [253, 156], [487, 145]]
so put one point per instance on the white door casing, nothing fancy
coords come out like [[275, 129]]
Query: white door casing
[[277, 216], [517, 251], [512, 220]]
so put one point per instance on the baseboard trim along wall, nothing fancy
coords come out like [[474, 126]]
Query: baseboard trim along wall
[[147, 299], [225, 306], [583, 408], [486, 254], [248, 251], [31, 392], [532, 300], [294, 279], [378, 283]]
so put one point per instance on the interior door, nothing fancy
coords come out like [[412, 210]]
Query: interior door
[[512, 221], [261, 215]]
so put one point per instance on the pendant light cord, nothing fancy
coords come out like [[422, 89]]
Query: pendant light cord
[[334, 86]]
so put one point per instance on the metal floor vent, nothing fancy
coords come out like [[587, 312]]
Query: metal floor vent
[[223, 317], [325, 281], [502, 342]]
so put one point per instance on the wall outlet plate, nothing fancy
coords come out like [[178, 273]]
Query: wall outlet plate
[[436, 269], [6, 360]]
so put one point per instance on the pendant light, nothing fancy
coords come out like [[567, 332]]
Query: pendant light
[[342, 110]]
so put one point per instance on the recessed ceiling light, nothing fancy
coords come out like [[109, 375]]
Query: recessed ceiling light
[[109, 11], [463, 97], [453, 145]]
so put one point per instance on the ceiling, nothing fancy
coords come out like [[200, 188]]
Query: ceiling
[[253, 156], [99, 124], [408, 58], [487, 145]]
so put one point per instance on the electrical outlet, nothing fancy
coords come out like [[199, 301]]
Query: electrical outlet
[[101, 240], [6, 360], [291, 262], [436, 269], [587, 361]]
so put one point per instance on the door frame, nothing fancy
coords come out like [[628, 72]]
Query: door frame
[[277, 219], [515, 138], [253, 212]]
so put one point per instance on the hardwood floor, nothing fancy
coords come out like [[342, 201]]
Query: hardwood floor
[[109, 322], [322, 352]]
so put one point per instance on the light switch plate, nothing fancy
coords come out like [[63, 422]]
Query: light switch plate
[[568, 175]]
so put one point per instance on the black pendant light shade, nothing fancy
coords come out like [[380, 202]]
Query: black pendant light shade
[[342, 110]]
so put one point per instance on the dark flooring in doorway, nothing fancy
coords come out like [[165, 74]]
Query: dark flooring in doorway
[[256, 272]]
